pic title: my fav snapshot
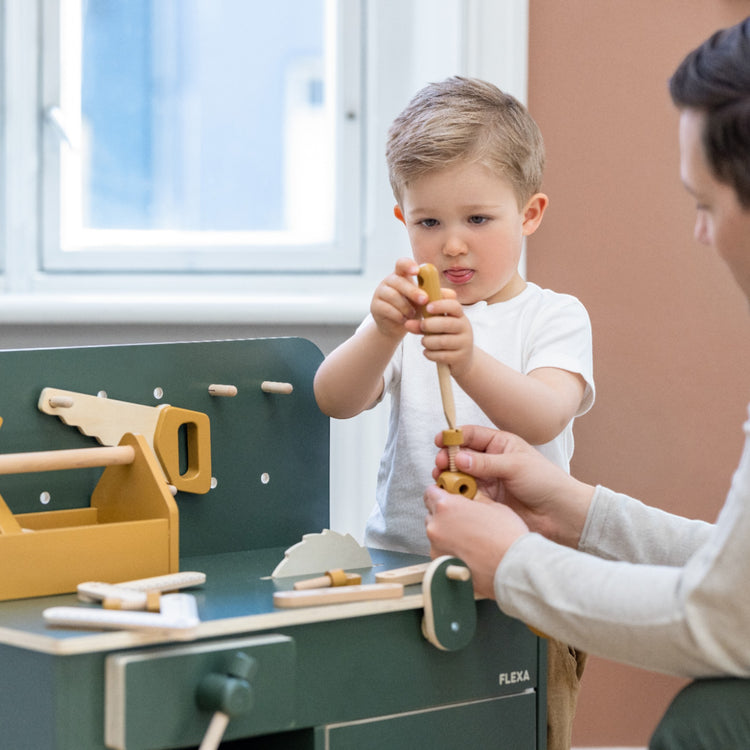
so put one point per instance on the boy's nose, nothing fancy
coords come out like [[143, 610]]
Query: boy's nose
[[454, 245]]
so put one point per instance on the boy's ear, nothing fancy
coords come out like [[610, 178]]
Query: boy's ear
[[533, 212], [399, 214]]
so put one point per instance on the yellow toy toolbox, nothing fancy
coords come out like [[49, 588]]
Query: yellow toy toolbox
[[130, 529]]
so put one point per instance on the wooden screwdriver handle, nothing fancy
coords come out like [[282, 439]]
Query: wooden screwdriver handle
[[429, 280]]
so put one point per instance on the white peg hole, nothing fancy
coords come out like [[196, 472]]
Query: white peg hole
[[44, 498], [158, 393], [265, 477]]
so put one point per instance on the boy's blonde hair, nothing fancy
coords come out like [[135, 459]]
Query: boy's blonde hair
[[466, 119]]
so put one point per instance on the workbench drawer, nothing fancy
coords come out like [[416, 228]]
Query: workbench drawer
[[152, 695], [507, 723]]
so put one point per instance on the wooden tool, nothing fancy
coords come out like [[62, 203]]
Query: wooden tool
[[316, 553], [179, 613], [451, 480], [108, 419], [338, 595], [336, 577], [412, 574], [128, 530], [143, 593]]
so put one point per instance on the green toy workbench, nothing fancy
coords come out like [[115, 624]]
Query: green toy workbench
[[222, 466]]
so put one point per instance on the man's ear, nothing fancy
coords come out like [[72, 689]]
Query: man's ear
[[533, 212], [399, 214]]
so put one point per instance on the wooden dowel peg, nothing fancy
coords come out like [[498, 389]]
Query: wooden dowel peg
[[228, 391], [60, 402], [76, 458], [457, 573], [271, 386]]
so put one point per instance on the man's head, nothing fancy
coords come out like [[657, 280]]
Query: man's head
[[715, 79]]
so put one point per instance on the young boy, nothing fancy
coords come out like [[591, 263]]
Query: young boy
[[465, 163]]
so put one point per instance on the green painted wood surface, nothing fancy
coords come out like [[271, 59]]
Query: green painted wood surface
[[254, 436], [345, 670]]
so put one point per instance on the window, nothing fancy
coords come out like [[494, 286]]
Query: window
[[201, 134], [217, 161]]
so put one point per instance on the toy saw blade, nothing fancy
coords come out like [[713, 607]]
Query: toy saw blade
[[105, 419]]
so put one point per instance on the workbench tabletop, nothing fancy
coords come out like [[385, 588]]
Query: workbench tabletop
[[236, 598]]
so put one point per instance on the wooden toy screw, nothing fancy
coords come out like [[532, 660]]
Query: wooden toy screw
[[452, 480]]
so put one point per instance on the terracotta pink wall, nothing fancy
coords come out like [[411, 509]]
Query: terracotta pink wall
[[671, 331]]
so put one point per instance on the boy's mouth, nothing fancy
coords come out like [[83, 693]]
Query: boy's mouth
[[459, 275]]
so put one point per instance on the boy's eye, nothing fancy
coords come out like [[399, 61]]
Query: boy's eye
[[477, 219], [429, 222]]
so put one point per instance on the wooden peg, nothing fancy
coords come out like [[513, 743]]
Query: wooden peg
[[227, 391], [60, 402], [335, 577], [457, 573], [271, 386]]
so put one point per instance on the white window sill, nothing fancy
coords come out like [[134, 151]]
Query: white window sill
[[153, 308]]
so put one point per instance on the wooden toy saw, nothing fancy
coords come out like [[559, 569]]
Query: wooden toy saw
[[107, 420]]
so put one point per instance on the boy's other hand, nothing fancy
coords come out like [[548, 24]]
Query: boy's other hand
[[398, 299]]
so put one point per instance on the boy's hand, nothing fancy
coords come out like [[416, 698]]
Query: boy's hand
[[398, 300], [447, 334]]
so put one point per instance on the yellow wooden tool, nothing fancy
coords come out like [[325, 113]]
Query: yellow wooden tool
[[451, 480], [129, 531]]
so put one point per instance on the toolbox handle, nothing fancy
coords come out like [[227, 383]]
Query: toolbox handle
[[74, 458]]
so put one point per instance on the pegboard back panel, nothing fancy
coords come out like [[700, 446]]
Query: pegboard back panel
[[269, 451]]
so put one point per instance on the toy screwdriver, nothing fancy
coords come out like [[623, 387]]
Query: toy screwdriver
[[451, 480]]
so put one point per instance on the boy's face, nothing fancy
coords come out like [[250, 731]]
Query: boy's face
[[721, 221], [466, 222]]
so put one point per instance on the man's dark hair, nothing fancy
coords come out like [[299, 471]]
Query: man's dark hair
[[715, 79]]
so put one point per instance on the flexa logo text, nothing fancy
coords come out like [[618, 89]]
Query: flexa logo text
[[512, 678]]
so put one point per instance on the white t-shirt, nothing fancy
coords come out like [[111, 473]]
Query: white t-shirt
[[537, 328]]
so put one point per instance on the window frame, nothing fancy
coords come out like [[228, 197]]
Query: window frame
[[435, 38], [196, 251]]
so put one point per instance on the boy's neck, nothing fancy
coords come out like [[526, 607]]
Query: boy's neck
[[512, 289]]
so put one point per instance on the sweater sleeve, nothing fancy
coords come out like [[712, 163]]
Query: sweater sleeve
[[688, 614], [621, 528]]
